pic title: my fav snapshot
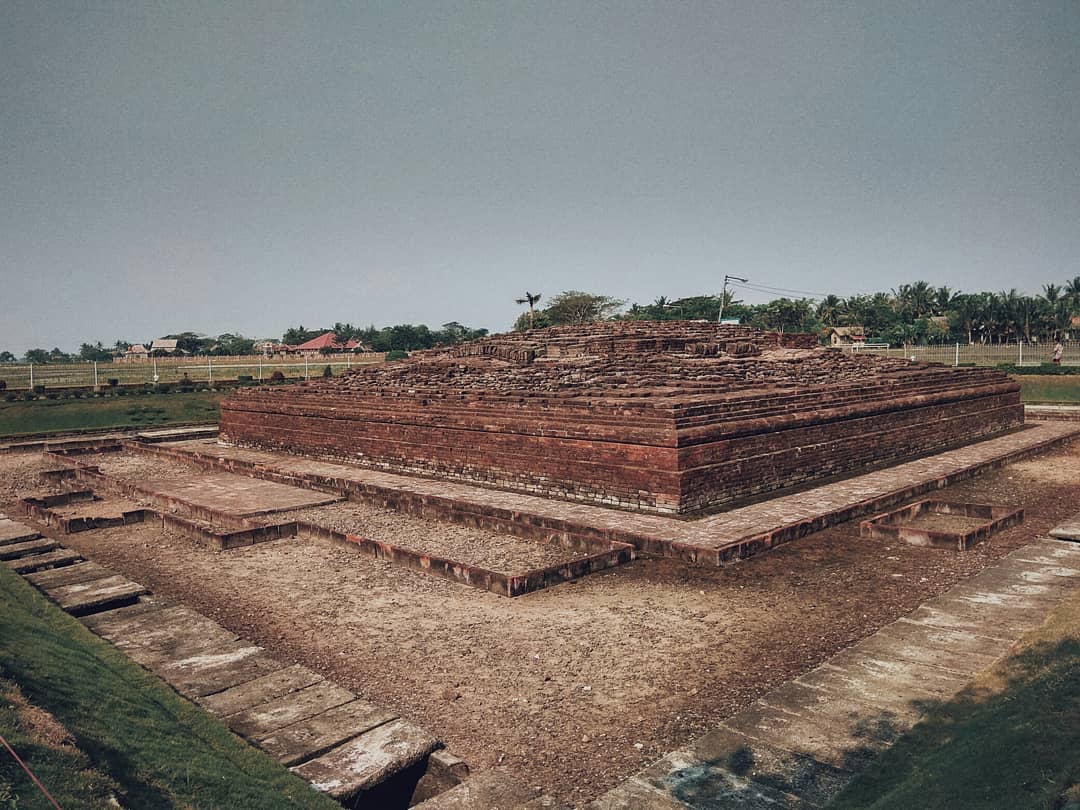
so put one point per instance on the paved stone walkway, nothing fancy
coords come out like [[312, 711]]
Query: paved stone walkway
[[323, 732], [798, 746], [713, 539]]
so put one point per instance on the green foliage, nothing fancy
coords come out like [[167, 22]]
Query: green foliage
[[277, 377], [7, 357], [574, 306], [296, 335], [1048, 369], [327, 372], [1008, 742], [39, 389], [396, 354], [43, 416], [95, 352]]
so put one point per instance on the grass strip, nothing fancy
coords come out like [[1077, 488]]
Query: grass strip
[[134, 410], [1010, 739], [160, 750], [1043, 388]]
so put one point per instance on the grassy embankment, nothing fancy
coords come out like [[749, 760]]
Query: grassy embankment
[[132, 734], [1049, 388], [134, 410], [1009, 740]]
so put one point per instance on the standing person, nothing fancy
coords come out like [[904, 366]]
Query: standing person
[[1058, 351]]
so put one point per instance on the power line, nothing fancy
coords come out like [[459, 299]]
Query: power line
[[766, 288]]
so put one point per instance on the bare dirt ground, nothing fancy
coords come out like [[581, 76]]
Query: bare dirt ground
[[571, 688]]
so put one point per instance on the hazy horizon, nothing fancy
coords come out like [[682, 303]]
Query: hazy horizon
[[249, 167]]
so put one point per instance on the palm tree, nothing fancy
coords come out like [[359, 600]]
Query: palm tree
[[828, 311], [1072, 291], [530, 299], [1051, 292], [943, 299]]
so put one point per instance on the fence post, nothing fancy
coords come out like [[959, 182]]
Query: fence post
[[260, 369], [31, 388], [956, 362], [1020, 345], [306, 375], [95, 376], [210, 367]]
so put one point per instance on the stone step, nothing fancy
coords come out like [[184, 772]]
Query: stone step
[[487, 790], [38, 562], [361, 764], [261, 721], [14, 532], [98, 594], [14, 551], [69, 575], [316, 735], [260, 690]]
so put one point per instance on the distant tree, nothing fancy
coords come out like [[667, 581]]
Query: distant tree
[[531, 299], [95, 351], [36, 356], [574, 306], [58, 356], [7, 357], [829, 310], [192, 343], [1072, 292], [540, 320], [786, 315], [294, 336], [232, 345]]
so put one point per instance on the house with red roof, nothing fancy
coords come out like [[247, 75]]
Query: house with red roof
[[326, 342]]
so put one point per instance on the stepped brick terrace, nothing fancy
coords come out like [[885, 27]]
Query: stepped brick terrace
[[668, 417]]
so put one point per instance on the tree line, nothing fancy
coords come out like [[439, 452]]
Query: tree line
[[911, 313], [915, 313]]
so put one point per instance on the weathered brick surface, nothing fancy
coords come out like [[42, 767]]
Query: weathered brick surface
[[669, 417]]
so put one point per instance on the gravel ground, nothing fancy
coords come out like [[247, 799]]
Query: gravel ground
[[934, 522], [492, 550], [575, 687]]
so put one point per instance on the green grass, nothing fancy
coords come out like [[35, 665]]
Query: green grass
[[1009, 740], [1045, 388], [133, 410], [160, 750]]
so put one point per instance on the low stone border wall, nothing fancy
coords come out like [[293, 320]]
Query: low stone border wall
[[891, 525], [174, 512]]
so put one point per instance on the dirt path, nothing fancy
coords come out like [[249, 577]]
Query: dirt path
[[575, 687]]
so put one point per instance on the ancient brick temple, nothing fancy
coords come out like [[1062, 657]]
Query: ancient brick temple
[[668, 417]]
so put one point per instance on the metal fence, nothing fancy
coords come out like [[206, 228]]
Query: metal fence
[[200, 370], [979, 354]]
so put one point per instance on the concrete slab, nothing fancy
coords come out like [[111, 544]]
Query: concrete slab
[[1068, 530], [952, 614], [316, 735], [696, 783], [199, 676], [13, 532], [361, 764], [160, 646], [86, 597], [824, 742], [14, 551], [961, 653], [487, 790], [907, 675], [239, 495], [633, 794], [261, 721], [260, 690], [100, 622], [844, 710], [69, 575], [38, 562], [791, 774]]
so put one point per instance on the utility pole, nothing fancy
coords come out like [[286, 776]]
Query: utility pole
[[723, 295]]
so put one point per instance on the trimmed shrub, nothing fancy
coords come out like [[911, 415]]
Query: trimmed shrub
[[277, 377], [3, 385], [328, 372], [113, 382], [162, 388], [10, 397], [39, 389], [397, 354], [244, 378]]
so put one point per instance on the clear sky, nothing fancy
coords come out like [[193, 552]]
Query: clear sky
[[229, 166]]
